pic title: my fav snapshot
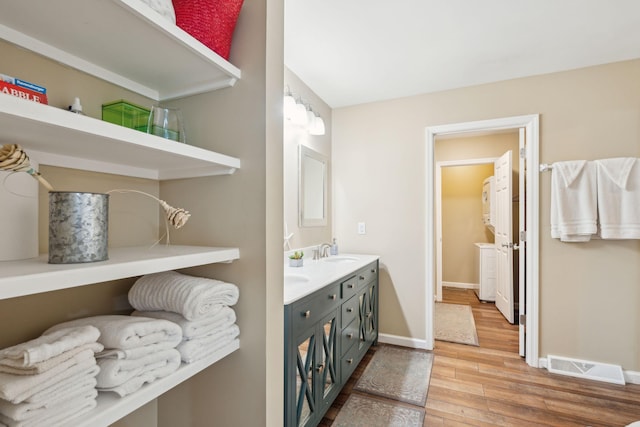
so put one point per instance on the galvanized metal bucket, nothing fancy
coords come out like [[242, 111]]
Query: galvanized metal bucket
[[78, 227]]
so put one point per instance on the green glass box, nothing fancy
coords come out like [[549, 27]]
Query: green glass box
[[126, 114]]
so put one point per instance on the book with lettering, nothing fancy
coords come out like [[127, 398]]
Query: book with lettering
[[22, 92]]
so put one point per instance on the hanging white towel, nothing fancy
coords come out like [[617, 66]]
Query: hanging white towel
[[125, 332], [619, 198], [29, 353], [192, 297], [574, 212], [223, 318]]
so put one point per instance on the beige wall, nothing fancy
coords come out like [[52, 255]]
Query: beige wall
[[589, 293], [295, 136], [242, 210], [462, 224]]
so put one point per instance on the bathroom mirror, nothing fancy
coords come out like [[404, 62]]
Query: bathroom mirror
[[312, 186]]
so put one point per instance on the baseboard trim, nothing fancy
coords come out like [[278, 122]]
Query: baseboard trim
[[631, 377], [461, 285], [402, 341]]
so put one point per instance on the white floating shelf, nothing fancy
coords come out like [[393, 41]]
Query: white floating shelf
[[124, 42], [57, 137], [111, 408], [36, 275]]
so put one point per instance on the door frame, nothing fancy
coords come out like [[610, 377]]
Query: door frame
[[531, 125]]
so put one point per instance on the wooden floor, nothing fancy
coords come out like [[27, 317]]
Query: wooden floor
[[491, 385]]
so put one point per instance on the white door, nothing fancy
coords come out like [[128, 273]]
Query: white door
[[504, 236]]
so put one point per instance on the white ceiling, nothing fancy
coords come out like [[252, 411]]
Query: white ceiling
[[357, 51]]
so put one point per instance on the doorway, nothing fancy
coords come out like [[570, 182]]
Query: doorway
[[528, 240]]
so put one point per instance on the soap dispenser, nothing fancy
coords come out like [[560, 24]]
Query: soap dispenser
[[334, 247]]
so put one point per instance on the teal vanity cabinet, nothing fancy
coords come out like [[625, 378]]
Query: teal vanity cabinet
[[326, 335]]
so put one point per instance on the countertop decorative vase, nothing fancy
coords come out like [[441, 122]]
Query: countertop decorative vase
[[78, 227]]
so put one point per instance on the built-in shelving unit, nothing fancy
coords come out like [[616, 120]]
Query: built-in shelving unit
[[56, 137], [36, 275], [124, 42], [127, 43], [111, 407]]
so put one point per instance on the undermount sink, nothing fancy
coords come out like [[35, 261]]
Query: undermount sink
[[339, 258], [296, 279]]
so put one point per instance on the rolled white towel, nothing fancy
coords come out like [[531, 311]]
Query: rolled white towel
[[125, 332], [148, 376], [30, 353], [45, 365], [59, 415], [17, 388], [115, 372], [196, 349], [192, 297], [191, 329], [27, 410]]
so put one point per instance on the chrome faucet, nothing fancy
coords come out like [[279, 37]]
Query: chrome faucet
[[324, 250]]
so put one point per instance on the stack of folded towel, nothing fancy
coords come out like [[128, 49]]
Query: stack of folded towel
[[51, 379], [137, 350], [200, 306]]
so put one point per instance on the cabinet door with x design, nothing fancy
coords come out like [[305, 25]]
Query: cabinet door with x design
[[316, 371]]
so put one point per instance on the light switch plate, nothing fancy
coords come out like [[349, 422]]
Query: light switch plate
[[362, 228]]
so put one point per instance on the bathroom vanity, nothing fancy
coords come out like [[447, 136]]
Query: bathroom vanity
[[330, 321]]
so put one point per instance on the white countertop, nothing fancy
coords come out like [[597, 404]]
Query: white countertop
[[313, 275]]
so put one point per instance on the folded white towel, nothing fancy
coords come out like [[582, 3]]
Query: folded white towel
[[40, 367], [27, 410], [59, 415], [136, 352], [125, 332], [574, 214], [619, 198], [223, 318], [47, 346], [192, 297], [67, 386], [17, 388], [115, 372], [149, 375], [196, 349]]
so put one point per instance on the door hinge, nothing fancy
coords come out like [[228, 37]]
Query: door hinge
[[523, 236], [523, 152], [523, 319]]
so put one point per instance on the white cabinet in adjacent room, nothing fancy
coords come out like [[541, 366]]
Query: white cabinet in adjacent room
[[487, 273]]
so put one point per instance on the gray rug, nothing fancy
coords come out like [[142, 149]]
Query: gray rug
[[454, 323], [398, 373], [364, 411]]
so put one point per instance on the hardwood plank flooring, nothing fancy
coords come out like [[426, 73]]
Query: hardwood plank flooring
[[491, 385]]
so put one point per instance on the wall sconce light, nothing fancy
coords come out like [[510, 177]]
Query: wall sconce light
[[300, 114], [317, 126], [288, 106]]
